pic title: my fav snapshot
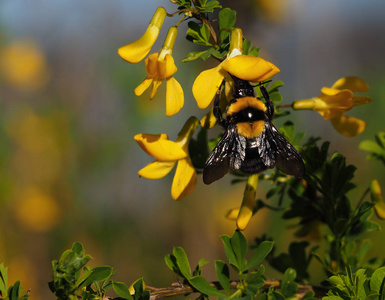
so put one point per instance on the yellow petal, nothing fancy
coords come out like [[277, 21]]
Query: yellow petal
[[157, 169], [139, 90], [348, 126], [209, 120], [157, 82], [229, 88], [206, 85], [352, 83], [148, 138], [159, 147], [151, 65], [376, 196], [167, 67], [139, 49], [174, 97], [184, 180], [343, 94], [248, 203], [250, 68], [232, 214], [186, 133]]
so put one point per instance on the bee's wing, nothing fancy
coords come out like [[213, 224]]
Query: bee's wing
[[275, 150], [227, 155]]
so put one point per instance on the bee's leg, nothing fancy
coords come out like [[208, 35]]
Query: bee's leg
[[269, 104], [217, 109]]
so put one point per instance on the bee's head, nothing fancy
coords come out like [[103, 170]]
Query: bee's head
[[242, 88]]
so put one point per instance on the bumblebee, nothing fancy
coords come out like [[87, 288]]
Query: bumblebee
[[251, 143]]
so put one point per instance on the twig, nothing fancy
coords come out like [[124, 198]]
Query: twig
[[179, 289]]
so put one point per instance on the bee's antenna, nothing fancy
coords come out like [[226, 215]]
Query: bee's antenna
[[263, 82]]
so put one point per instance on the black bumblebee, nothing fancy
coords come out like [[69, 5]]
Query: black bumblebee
[[250, 143]]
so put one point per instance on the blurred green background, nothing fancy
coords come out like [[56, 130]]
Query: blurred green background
[[68, 161]]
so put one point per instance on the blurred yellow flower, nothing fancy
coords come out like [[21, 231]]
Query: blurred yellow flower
[[36, 210], [245, 67], [23, 65], [167, 153], [136, 51], [248, 203], [333, 102], [376, 196], [39, 145], [273, 10]]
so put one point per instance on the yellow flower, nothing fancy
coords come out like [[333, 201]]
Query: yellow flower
[[376, 196], [23, 65], [248, 203], [160, 66], [139, 49], [333, 102], [246, 67], [167, 153], [37, 211], [250, 68], [248, 207]]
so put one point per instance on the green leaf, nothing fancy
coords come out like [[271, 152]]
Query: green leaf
[[193, 56], [78, 248], [205, 33], [227, 18], [86, 272], [377, 280], [3, 280], [256, 281], [223, 274], [140, 292], [201, 284], [13, 291], [229, 252], [260, 254], [198, 269], [288, 286], [97, 274], [182, 262], [371, 146], [170, 261], [121, 290], [239, 246], [336, 280]]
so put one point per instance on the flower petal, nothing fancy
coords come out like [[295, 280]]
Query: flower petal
[[159, 147], [166, 68], [157, 169], [174, 97], [343, 94], [136, 51], [209, 120], [186, 133], [157, 82], [250, 68], [352, 83], [184, 180], [206, 85], [348, 126], [151, 65], [229, 88], [376, 196], [248, 203], [139, 90], [232, 214]]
